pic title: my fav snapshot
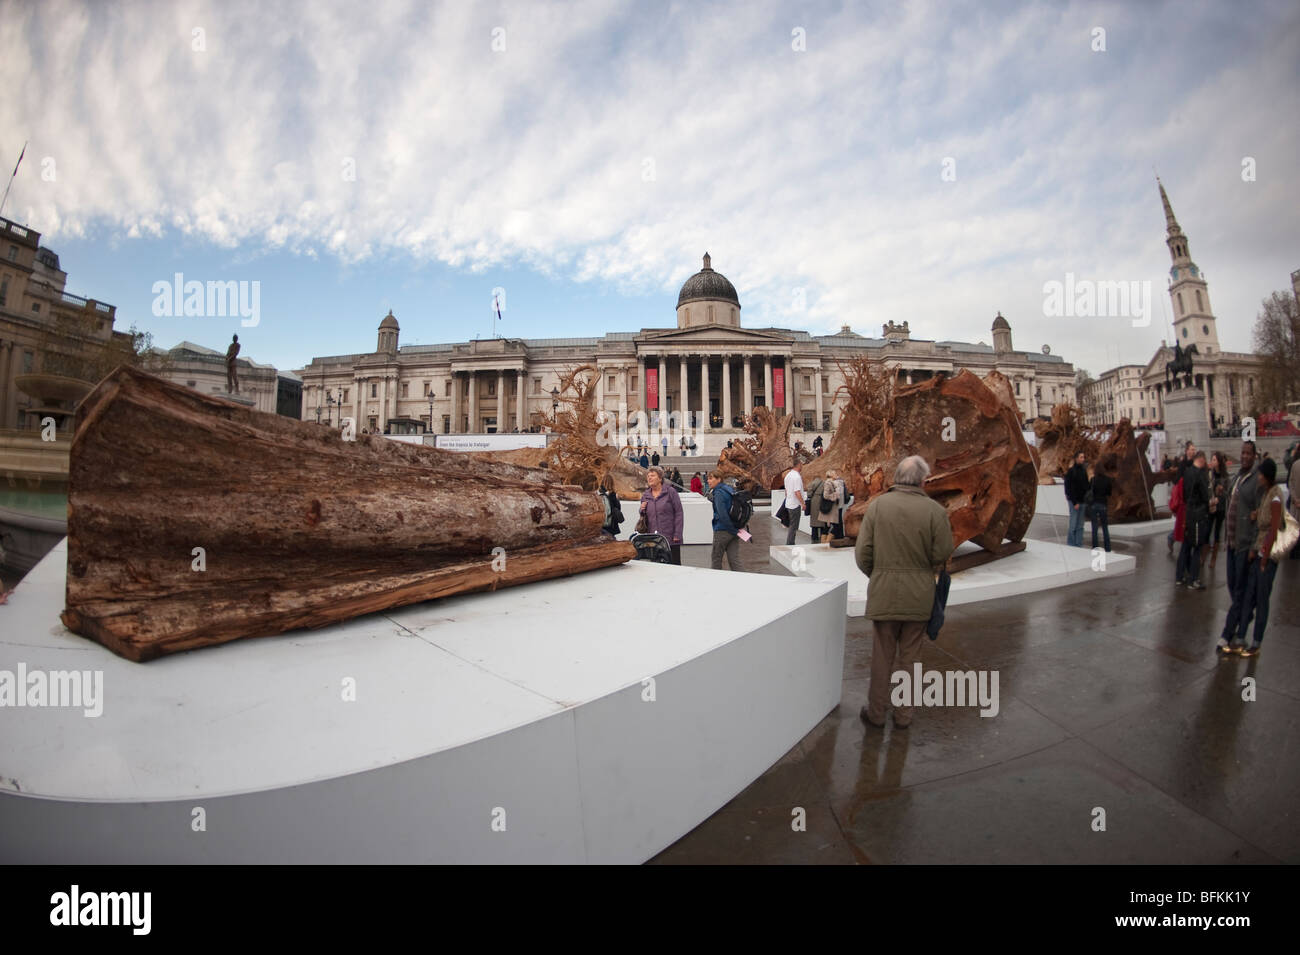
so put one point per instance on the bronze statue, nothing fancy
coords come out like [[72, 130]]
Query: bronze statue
[[1182, 364], [232, 378]]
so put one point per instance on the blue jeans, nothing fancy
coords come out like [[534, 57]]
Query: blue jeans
[[1189, 562], [1238, 576], [1099, 517], [1075, 535], [1259, 587]]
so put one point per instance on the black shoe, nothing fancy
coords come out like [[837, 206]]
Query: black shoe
[[901, 726], [1250, 651], [862, 715]]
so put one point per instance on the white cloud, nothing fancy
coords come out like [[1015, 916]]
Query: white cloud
[[818, 169]]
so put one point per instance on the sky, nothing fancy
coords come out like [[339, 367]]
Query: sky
[[844, 164]]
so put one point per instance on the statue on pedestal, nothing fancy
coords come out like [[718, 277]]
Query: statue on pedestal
[[232, 377], [1181, 364]]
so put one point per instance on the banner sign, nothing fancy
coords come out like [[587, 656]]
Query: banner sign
[[652, 387], [778, 387]]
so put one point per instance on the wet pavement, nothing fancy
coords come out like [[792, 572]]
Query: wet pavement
[[1111, 698]]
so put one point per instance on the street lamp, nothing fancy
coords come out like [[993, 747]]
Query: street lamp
[[329, 407], [555, 402], [430, 430]]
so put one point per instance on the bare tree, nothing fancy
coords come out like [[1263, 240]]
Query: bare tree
[[1277, 343]]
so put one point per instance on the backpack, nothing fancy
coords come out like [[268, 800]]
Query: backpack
[[742, 508]]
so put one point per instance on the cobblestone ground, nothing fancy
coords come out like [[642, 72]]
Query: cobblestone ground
[[1111, 697]]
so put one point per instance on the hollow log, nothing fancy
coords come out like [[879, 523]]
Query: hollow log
[[968, 430], [297, 527], [758, 463]]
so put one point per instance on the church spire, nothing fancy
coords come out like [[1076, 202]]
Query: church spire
[[1174, 237], [1171, 224]]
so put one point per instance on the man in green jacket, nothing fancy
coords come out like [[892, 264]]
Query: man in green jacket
[[905, 539]]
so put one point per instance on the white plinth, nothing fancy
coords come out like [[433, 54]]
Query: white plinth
[[1051, 501], [697, 519], [1132, 531], [1041, 566], [525, 706]]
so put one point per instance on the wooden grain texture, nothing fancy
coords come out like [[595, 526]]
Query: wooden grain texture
[[299, 528]]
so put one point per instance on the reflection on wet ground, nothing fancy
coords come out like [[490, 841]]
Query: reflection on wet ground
[[1112, 699]]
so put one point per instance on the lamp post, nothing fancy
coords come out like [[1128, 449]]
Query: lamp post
[[430, 429], [555, 407], [329, 408]]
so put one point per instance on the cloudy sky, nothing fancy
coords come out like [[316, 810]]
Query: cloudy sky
[[934, 162]]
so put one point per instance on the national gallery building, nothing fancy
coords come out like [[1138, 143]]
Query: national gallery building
[[708, 370]]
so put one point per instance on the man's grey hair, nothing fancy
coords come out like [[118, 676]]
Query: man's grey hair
[[912, 471], [657, 470]]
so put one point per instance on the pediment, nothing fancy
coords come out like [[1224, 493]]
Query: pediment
[[712, 335]]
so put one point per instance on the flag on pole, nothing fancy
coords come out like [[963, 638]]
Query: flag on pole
[[20, 159], [496, 300]]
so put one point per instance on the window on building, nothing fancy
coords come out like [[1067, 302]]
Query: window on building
[[345, 394], [613, 384], [514, 385], [633, 384], [1017, 389], [808, 421], [191, 384], [826, 385], [537, 386], [710, 314], [446, 391], [807, 383], [36, 306], [427, 388], [1180, 303], [1184, 332], [406, 389], [446, 424], [13, 253], [28, 358], [4, 289], [492, 388], [1199, 306], [826, 420]]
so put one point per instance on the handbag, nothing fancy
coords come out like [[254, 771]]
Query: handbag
[[643, 526], [783, 515], [1287, 536]]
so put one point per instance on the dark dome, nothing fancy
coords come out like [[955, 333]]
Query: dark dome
[[389, 321], [1001, 322], [708, 284]]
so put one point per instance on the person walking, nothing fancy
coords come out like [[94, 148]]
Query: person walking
[[841, 502], [1262, 566], [1240, 533], [793, 500], [662, 508], [726, 539], [812, 501], [1219, 481], [613, 510], [1076, 490], [824, 506], [1196, 525], [904, 540], [1182, 464], [1101, 486]]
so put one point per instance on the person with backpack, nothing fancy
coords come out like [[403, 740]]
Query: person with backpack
[[812, 509], [1101, 488], [726, 527], [825, 497], [613, 510], [1196, 524]]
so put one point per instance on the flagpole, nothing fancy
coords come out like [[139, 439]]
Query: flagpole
[[12, 174]]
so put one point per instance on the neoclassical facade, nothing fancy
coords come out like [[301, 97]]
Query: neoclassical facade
[[703, 374]]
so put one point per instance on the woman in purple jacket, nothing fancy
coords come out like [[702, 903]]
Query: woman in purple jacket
[[662, 509]]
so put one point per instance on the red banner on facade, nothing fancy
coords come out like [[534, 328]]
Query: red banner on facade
[[778, 387], [652, 387]]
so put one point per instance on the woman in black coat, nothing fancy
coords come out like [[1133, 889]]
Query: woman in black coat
[[1196, 524]]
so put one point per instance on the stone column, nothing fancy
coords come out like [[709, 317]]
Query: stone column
[[767, 381], [473, 402], [383, 402], [624, 399], [662, 402], [705, 423], [685, 399], [501, 401], [1209, 407], [455, 403], [356, 404], [521, 381], [726, 391], [748, 395], [817, 388]]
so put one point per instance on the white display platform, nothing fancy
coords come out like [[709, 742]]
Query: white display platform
[[1132, 531], [1041, 566], [697, 518], [525, 707], [1051, 500]]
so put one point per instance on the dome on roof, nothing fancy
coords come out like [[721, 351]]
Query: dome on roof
[[707, 284], [1001, 322], [389, 321]]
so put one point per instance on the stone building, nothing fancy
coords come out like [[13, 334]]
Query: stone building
[[49, 338], [1119, 393], [1227, 379], [705, 372]]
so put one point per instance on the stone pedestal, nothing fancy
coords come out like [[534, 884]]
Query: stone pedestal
[[1185, 418]]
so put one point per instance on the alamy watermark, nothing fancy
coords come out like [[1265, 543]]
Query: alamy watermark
[[194, 299], [58, 688], [946, 688], [1084, 298]]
